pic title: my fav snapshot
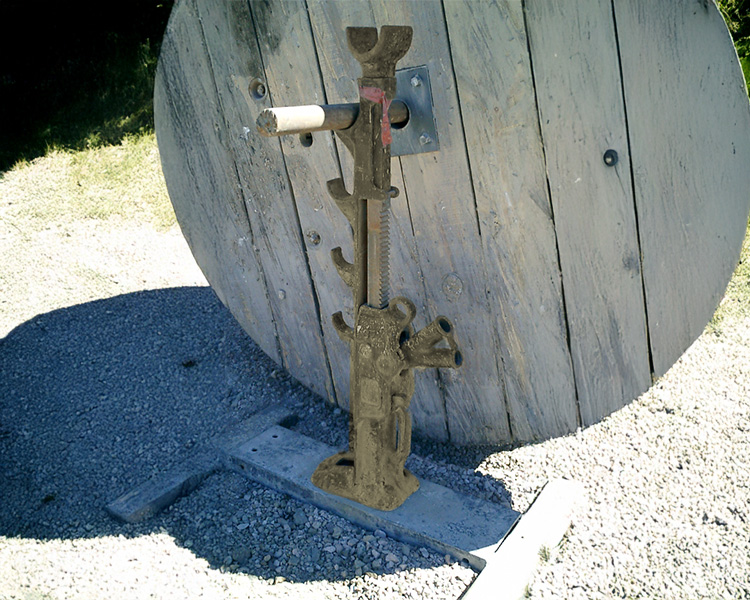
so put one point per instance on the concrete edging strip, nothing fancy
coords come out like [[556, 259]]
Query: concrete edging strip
[[510, 567], [157, 493]]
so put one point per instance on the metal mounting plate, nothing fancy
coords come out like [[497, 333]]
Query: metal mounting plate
[[420, 132], [434, 516]]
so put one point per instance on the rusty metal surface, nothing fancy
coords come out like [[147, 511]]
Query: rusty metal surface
[[419, 134], [384, 347], [383, 343]]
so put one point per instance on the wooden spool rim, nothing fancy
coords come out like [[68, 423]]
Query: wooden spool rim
[[583, 280]]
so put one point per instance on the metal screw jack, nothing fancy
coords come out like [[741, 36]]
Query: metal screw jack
[[384, 346], [385, 349]]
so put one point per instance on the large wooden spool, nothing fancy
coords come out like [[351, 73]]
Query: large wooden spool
[[571, 283]]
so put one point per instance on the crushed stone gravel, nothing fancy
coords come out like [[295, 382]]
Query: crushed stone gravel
[[106, 384]]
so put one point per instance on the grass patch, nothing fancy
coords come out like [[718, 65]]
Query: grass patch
[[736, 14], [736, 302], [78, 139], [122, 182], [78, 75], [545, 554]]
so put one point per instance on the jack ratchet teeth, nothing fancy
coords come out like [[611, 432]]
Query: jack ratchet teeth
[[378, 252], [385, 255]]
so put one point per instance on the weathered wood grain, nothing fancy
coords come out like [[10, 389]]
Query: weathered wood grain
[[577, 77], [441, 205], [443, 210], [688, 119], [489, 49], [340, 70], [235, 62], [516, 242], [206, 195], [292, 75]]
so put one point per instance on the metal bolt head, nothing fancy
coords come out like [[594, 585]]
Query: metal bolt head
[[416, 81], [314, 238], [257, 89], [425, 139], [281, 294], [610, 158]]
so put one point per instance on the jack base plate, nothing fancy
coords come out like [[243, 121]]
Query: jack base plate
[[336, 475]]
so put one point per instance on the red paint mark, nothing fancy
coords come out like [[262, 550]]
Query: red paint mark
[[374, 94]]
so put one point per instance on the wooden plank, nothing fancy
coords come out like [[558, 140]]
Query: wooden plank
[[292, 75], [490, 55], [340, 71], [259, 164], [154, 495], [543, 526], [207, 198], [448, 239], [579, 92], [159, 492], [444, 227], [690, 163]]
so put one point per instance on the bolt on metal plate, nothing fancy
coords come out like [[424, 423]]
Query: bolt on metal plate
[[420, 133]]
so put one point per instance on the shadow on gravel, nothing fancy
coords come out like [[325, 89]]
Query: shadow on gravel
[[97, 398]]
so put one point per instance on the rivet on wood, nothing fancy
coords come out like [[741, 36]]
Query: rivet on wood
[[610, 158], [257, 89]]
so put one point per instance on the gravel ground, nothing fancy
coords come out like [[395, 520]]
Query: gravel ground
[[118, 361]]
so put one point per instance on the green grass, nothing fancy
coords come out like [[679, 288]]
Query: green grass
[[118, 109], [77, 76], [545, 554], [115, 182], [78, 134], [736, 14]]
